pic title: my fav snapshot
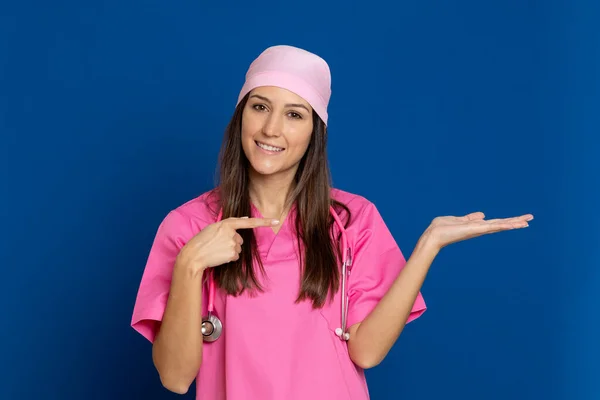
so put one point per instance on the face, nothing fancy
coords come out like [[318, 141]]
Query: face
[[276, 130]]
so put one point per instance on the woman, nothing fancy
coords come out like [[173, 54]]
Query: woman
[[274, 242]]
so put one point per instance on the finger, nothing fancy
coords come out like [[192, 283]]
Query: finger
[[526, 217], [238, 248], [499, 226], [238, 238], [474, 216], [247, 223]]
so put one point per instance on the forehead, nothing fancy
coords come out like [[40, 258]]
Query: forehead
[[276, 94]]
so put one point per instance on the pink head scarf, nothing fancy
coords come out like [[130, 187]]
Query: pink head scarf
[[294, 69]]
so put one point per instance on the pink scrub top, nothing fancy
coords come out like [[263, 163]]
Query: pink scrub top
[[272, 348]]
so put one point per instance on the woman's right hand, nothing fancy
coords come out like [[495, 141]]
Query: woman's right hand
[[218, 243]]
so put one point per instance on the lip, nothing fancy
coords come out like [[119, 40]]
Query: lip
[[267, 151]]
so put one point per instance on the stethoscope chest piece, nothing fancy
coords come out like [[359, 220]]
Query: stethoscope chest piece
[[211, 328]]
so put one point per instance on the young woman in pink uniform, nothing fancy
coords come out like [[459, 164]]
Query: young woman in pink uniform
[[275, 285]]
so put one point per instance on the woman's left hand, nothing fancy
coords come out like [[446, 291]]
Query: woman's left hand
[[447, 230]]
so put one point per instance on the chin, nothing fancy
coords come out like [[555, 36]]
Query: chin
[[265, 170], [265, 167]]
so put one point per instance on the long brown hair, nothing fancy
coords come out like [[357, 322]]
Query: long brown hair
[[318, 247]]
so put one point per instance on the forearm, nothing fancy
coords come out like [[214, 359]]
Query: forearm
[[177, 350], [377, 333]]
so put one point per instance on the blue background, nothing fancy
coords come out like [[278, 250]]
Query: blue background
[[111, 114]]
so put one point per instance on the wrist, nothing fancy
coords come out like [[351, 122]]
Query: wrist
[[427, 244], [190, 268]]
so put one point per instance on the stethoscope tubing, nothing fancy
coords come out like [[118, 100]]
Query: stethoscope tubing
[[212, 326]]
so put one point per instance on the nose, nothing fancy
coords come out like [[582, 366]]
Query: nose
[[273, 126]]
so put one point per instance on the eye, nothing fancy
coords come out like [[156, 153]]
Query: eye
[[295, 115], [259, 107]]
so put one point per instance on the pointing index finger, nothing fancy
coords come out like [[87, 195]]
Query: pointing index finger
[[247, 223]]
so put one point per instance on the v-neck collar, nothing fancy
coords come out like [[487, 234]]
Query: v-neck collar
[[266, 237]]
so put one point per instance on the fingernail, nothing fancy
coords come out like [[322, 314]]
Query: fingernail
[[244, 217], [275, 222]]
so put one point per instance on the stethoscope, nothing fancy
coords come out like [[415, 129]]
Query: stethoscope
[[212, 327]]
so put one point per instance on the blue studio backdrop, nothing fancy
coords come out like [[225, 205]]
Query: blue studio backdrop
[[112, 113]]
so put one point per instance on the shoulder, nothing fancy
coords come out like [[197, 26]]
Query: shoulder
[[203, 208], [363, 211], [356, 203], [366, 228], [193, 215]]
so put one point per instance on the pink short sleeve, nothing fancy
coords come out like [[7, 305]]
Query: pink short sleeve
[[377, 262], [172, 234]]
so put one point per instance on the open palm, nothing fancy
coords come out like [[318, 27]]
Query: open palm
[[451, 229]]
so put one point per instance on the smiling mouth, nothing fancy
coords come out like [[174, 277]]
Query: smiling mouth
[[269, 148]]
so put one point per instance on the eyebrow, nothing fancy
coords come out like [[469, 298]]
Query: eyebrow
[[287, 105]]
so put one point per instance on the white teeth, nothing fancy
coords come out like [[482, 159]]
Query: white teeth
[[268, 148]]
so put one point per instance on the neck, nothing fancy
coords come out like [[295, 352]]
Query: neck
[[269, 193]]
